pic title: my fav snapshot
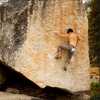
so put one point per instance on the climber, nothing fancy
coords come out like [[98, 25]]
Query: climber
[[73, 39]]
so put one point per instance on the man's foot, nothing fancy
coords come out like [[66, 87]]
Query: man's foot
[[65, 69], [57, 57]]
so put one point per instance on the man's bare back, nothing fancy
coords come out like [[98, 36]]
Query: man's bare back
[[73, 39]]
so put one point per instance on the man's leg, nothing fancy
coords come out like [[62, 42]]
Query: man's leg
[[72, 59], [71, 54], [59, 50], [59, 53]]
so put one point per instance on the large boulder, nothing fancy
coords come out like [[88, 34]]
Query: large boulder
[[28, 43]]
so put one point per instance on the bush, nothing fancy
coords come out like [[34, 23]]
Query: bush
[[95, 91]]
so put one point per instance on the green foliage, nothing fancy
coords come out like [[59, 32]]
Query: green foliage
[[95, 86], [95, 97], [95, 91], [94, 33]]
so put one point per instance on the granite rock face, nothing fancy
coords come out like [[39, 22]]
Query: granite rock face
[[28, 43]]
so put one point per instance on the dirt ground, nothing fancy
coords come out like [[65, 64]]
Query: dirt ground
[[11, 96]]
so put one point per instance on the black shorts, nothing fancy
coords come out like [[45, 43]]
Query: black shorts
[[70, 48]]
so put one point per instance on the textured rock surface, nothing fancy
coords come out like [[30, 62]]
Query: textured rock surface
[[28, 44]]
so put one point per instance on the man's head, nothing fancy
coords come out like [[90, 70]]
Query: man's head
[[70, 30]]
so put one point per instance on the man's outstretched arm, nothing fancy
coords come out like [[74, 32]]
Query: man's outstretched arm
[[61, 34]]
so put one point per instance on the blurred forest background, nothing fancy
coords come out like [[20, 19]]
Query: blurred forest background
[[94, 50]]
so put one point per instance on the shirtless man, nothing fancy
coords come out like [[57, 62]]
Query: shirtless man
[[73, 39]]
